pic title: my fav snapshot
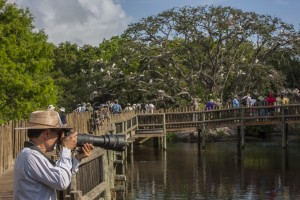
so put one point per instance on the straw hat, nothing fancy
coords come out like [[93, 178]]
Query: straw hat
[[50, 107], [44, 120], [62, 109]]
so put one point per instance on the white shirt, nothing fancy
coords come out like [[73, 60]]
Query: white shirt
[[35, 178], [128, 109]]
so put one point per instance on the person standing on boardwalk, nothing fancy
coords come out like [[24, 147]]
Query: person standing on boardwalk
[[50, 107], [195, 107], [63, 116], [285, 102], [195, 104], [35, 175], [235, 102], [128, 108], [89, 108], [116, 107], [210, 105], [151, 107]]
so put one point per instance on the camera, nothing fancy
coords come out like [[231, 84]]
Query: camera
[[108, 141]]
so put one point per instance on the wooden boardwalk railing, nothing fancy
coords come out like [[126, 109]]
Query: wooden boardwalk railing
[[96, 175], [262, 115]]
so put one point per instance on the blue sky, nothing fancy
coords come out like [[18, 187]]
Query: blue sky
[[287, 10], [91, 21]]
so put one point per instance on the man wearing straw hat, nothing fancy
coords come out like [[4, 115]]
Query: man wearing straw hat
[[35, 175]]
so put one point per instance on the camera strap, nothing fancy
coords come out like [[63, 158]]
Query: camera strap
[[34, 147]]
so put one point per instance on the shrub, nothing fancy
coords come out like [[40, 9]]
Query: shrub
[[171, 136]]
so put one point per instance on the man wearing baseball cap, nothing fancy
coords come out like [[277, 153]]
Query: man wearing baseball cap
[[35, 175]]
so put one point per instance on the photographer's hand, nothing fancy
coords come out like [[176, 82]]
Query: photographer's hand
[[69, 141], [86, 151]]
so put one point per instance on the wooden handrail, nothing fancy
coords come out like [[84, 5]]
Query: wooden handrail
[[11, 140]]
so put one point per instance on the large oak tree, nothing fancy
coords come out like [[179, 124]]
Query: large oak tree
[[213, 50]]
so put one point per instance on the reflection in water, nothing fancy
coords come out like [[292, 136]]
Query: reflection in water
[[260, 171]]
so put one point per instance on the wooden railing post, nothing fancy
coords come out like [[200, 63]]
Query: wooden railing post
[[164, 138], [73, 186], [203, 131], [238, 135], [76, 195], [285, 127], [15, 138], [199, 138], [243, 128]]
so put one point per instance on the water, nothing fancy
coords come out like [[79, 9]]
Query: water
[[261, 171]]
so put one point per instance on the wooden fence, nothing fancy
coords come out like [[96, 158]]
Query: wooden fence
[[12, 141], [96, 175], [85, 186], [186, 118]]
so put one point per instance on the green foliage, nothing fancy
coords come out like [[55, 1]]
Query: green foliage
[[212, 50], [171, 136], [287, 63], [82, 71], [25, 63], [180, 54], [73, 73], [105, 72], [168, 59], [115, 51]]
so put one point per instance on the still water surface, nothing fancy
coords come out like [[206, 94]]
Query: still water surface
[[260, 171]]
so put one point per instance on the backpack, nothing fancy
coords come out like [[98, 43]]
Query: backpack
[[115, 108], [244, 101]]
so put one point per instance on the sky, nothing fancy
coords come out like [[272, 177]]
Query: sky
[[91, 21]]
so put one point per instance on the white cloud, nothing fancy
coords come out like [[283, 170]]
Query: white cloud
[[77, 21]]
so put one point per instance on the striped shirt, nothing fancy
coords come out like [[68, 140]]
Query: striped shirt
[[36, 178]]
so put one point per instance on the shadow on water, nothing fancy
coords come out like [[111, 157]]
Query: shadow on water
[[260, 171]]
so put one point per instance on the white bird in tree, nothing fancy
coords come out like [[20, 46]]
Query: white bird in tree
[[160, 92], [184, 94]]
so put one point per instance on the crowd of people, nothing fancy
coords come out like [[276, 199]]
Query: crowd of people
[[103, 111], [248, 100], [271, 99], [38, 177]]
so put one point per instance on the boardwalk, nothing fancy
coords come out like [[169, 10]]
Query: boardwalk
[[6, 182], [6, 185], [157, 124]]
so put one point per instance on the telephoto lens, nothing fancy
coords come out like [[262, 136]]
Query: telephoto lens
[[108, 141]]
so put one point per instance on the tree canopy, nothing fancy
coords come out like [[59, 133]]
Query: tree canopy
[[217, 50], [168, 59], [25, 63], [185, 53]]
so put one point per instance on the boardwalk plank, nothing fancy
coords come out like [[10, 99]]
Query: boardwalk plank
[[6, 185]]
